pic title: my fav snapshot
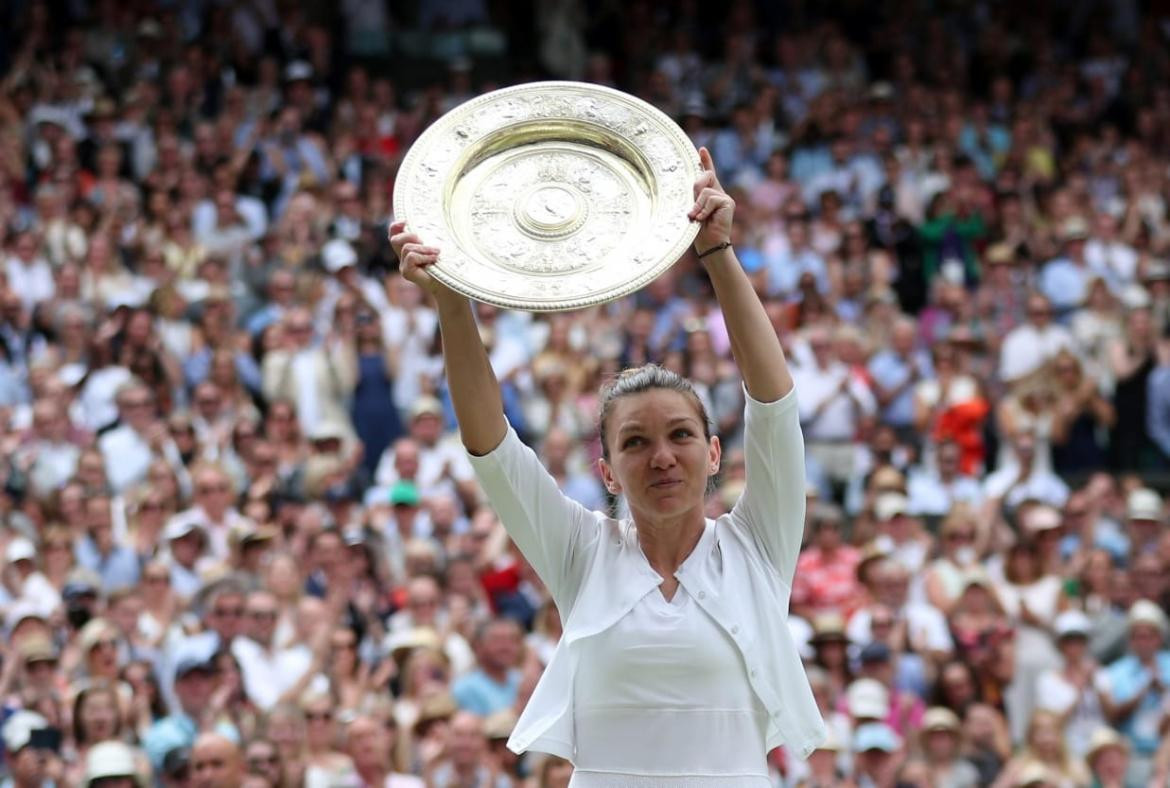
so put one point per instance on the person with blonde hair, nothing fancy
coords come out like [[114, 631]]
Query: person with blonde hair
[[1044, 748]]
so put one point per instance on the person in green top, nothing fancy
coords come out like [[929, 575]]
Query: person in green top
[[950, 234]]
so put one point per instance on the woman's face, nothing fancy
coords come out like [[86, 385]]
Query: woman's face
[[1046, 738], [319, 724], [658, 455], [99, 716]]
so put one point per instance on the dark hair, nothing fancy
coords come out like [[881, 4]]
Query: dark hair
[[637, 380], [99, 687]]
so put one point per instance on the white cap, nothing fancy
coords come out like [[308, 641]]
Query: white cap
[[1143, 504], [18, 728], [1072, 622], [1144, 611], [20, 549], [111, 759], [868, 699], [1042, 518], [179, 526], [338, 254], [889, 505]]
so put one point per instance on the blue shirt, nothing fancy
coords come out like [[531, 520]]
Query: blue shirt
[[1158, 408], [889, 370], [480, 694], [118, 568]]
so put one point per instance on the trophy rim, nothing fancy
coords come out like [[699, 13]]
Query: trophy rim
[[665, 257]]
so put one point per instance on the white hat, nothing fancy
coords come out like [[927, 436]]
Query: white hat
[[179, 526], [20, 549], [1072, 622], [1042, 518], [1104, 737], [20, 610], [18, 728], [1143, 504], [1144, 611], [110, 759], [867, 699], [889, 505], [338, 254]]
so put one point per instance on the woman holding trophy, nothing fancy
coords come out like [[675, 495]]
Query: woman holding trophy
[[675, 667]]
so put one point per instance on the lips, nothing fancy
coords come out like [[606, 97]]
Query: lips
[[664, 484]]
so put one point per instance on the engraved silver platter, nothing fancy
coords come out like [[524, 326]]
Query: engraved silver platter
[[550, 195]]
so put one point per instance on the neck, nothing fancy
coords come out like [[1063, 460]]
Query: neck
[[372, 774], [667, 543]]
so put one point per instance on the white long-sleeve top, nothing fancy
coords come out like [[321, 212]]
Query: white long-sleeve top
[[739, 576]]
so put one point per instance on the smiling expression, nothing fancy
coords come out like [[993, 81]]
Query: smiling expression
[[659, 457]]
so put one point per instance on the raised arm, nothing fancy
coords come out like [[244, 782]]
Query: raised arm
[[754, 343], [475, 392]]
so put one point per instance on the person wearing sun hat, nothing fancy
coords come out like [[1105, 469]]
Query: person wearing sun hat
[[941, 738], [1133, 687], [1108, 758]]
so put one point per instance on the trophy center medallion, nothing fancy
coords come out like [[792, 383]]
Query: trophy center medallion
[[550, 210]]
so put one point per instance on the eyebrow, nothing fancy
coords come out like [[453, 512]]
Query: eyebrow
[[633, 426]]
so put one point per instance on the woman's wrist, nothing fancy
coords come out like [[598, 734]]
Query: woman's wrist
[[706, 251]]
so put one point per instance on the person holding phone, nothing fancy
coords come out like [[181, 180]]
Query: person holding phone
[[672, 670]]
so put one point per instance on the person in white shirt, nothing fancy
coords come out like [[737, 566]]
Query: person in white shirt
[[130, 448], [268, 672], [665, 611], [1028, 347], [833, 404], [28, 272]]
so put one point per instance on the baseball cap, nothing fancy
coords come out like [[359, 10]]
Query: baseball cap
[[940, 718], [875, 736], [875, 652], [890, 505], [867, 699], [20, 610], [1072, 623], [110, 759], [424, 405], [1042, 518], [195, 654], [338, 254], [1143, 504], [18, 729], [179, 526], [20, 549], [404, 492]]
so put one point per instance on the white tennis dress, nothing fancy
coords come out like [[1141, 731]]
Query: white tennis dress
[[662, 700]]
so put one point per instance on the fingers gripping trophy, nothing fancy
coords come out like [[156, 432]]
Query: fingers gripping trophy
[[675, 667]]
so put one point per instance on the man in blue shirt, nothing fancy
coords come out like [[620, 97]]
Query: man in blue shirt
[[1158, 401], [195, 680], [495, 682]]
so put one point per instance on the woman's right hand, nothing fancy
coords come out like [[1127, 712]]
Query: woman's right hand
[[414, 257]]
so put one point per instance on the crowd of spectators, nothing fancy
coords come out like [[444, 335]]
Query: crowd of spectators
[[237, 522]]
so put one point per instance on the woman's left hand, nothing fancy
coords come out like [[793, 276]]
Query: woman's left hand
[[713, 207]]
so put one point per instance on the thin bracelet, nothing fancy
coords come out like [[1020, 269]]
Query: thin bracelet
[[719, 247]]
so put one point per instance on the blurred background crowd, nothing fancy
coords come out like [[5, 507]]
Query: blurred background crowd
[[241, 544]]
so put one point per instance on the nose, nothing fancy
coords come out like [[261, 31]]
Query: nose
[[662, 456]]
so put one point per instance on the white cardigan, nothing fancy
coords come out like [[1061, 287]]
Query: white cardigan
[[596, 575]]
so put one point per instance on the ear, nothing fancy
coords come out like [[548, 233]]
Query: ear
[[608, 478], [714, 455]]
